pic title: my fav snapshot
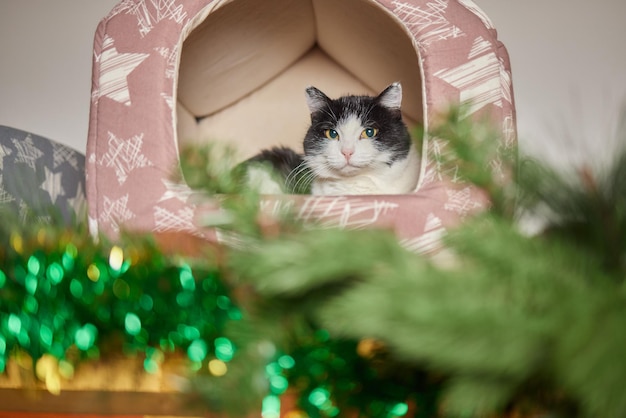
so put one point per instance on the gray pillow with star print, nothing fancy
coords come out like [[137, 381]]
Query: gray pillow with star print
[[40, 177]]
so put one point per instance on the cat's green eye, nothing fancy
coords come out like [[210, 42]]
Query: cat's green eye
[[331, 134], [369, 133]]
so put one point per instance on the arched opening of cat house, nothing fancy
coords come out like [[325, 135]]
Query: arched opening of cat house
[[252, 94], [168, 74]]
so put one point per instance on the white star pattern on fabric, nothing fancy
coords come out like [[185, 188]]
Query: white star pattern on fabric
[[180, 191], [52, 184], [479, 47], [508, 128], [166, 220], [149, 13], [65, 154], [93, 226], [478, 81], [482, 80], [114, 70], [171, 57], [169, 100], [276, 207], [5, 197], [124, 156], [428, 242], [4, 152], [79, 201], [506, 82], [432, 222], [27, 152], [116, 212], [437, 171], [461, 202], [429, 24], [342, 212]]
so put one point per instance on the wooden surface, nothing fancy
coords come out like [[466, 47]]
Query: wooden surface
[[92, 403], [111, 387], [52, 415], [55, 415]]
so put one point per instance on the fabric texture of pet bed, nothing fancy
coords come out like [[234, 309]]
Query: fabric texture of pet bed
[[173, 72], [40, 178]]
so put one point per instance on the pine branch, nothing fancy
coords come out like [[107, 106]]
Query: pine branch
[[513, 313], [481, 156]]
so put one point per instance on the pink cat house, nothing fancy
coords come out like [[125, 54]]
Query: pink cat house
[[167, 73]]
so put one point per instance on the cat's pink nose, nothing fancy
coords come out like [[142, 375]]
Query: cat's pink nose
[[347, 153]]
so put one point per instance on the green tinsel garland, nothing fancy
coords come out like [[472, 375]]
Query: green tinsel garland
[[64, 295]]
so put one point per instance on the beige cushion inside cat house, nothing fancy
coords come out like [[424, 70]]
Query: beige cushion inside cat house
[[252, 95], [174, 72]]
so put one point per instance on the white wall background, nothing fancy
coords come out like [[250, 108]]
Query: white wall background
[[45, 66], [569, 73], [568, 58]]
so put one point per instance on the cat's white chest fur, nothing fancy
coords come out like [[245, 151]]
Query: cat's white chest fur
[[400, 177]]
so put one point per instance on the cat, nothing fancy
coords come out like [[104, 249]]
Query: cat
[[354, 145]]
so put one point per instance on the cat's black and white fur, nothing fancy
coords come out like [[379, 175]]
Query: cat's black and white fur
[[355, 145]]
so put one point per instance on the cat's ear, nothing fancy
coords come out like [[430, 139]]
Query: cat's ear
[[391, 97], [315, 99]]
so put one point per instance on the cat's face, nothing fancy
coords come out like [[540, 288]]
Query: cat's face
[[354, 135]]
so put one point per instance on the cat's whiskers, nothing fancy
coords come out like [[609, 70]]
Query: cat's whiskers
[[305, 181], [293, 175], [301, 181]]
